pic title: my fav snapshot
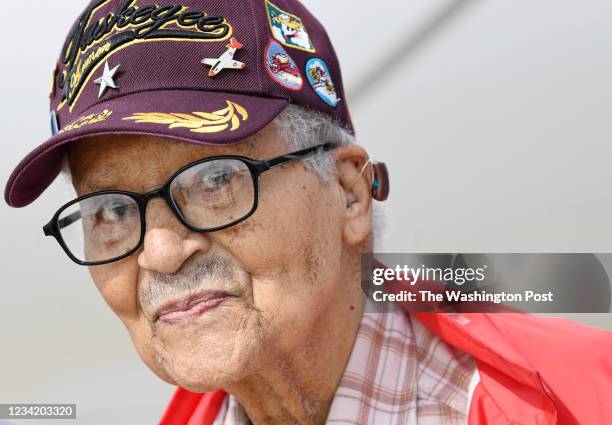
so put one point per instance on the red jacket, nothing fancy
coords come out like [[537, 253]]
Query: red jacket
[[533, 370]]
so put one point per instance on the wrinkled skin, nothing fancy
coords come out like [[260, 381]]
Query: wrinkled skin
[[282, 338]]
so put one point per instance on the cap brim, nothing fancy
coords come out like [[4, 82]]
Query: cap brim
[[197, 117]]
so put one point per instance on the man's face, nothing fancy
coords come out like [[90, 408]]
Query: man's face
[[271, 278]]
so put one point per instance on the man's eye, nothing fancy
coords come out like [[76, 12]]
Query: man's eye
[[113, 213], [212, 182]]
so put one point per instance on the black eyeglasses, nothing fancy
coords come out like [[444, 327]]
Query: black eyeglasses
[[206, 196]]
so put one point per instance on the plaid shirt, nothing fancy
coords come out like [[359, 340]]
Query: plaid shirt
[[398, 373]]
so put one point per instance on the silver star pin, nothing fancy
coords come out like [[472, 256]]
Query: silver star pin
[[106, 80]]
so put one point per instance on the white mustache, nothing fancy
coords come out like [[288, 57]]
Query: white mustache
[[187, 281]]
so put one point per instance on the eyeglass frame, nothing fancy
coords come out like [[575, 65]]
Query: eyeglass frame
[[256, 167]]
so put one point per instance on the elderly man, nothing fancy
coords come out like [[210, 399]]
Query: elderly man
[[223, 209]]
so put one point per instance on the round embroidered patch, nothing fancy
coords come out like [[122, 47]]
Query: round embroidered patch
[[282, 68], [321, 82]]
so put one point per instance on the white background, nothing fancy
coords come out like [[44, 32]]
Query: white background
[[495, 118]]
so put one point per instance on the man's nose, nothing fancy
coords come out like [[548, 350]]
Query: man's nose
[[168, 244]]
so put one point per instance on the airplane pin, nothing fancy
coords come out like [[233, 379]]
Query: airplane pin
[[226, 60]]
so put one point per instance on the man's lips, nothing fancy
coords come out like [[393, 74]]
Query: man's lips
[[182, 311]]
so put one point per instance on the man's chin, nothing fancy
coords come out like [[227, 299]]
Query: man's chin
[[203, 374], [200, 364]]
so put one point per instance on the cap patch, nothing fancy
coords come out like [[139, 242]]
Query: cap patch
[[288, 29], [321, 82], [199, 122], [94, 39], [282, 68]]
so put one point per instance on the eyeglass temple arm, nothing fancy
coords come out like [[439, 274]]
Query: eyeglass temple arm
[[72, 218], [281, 160], [64, 222]]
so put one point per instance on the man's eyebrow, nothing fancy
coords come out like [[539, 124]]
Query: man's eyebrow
[[100, 182]]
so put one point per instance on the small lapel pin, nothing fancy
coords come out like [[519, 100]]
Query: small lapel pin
[[226, 60], [106, 80]]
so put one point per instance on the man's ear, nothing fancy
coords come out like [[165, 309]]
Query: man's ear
[[356, 188]]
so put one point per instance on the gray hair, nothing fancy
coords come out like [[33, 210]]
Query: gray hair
[[303, 128]]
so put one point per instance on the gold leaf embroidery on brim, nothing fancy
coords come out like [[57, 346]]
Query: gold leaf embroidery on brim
[[199, 122], [87, 120]]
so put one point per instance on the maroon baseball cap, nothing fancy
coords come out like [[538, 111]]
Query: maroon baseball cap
[[208, 72]]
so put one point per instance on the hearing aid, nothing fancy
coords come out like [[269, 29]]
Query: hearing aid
[[381, 184]]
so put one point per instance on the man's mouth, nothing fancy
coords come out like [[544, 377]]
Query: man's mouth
[[185, 310]]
